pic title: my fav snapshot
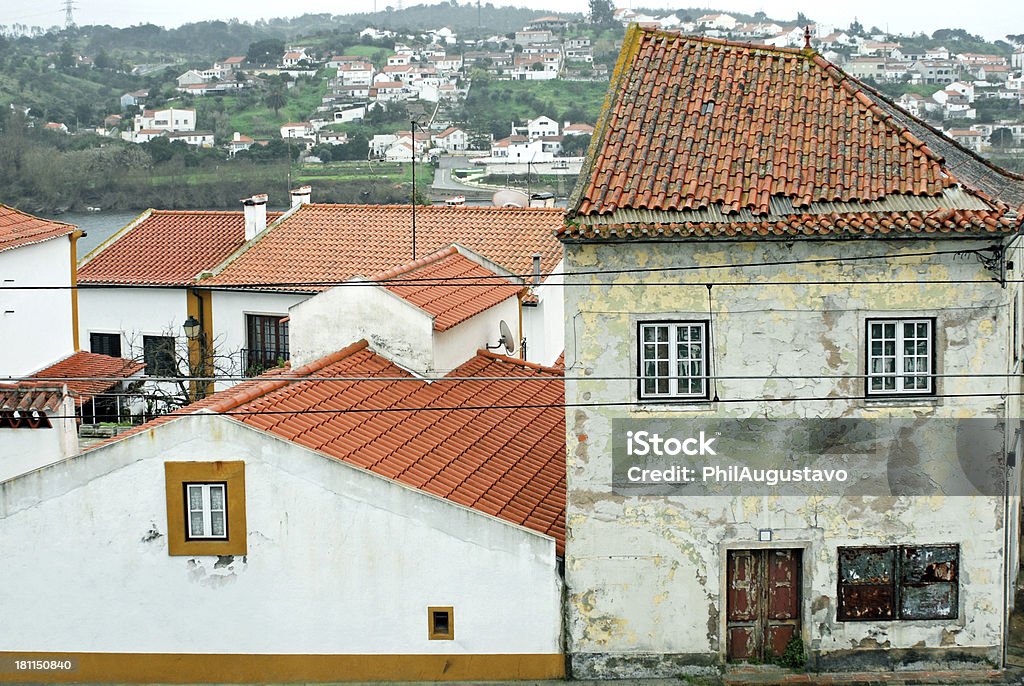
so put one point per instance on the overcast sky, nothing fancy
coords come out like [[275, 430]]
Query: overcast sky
[[992, 19]]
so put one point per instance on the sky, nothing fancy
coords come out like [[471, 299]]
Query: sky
[[992, 18]]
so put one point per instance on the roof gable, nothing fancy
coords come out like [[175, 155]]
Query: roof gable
[[693, 122], [495, 446], [18, 228], [448, 286], [148, 251]]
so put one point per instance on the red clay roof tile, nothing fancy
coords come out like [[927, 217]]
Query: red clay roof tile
[[18, 228], [151, 251], [448, 286], [331, 243], [78, 366], [698, 121]]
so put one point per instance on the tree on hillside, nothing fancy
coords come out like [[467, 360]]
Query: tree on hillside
[[602, 13], [264, 52], [275, 99], [1015, 38], [66, 58], [1002, 138]]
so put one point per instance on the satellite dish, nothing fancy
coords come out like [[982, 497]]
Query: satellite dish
[[511, 198], [507, 339]]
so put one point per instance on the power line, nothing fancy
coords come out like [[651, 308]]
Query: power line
[[487, 280], [550, 406], [547, 378]]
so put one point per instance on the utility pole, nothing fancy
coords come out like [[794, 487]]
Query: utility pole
[[412, 127]]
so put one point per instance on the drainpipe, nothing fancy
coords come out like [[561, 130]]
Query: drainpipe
[[75, 235]]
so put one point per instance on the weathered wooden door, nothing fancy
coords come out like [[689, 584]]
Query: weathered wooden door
[[762, 603]]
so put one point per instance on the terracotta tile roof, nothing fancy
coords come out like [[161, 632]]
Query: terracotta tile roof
[[71, 369], [332, 243], [149, 251], [831, 225], [695, 121], [462, 288], [28, 397], [505, 462], [18, 228]]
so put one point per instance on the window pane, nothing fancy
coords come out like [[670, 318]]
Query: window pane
[[217, 523], [216, 497], [195, 497], [196, 524]]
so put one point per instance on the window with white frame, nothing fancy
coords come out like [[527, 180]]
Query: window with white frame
[[206, 515], [673, 360], [900, 356]]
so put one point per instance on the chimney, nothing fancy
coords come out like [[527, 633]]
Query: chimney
[[255, 215], [536, 268], [237, 137], [300, 195]]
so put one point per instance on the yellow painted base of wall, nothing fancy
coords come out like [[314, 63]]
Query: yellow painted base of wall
[[235, 669]]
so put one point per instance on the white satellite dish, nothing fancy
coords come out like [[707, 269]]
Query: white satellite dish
[[511, 198], [507, 340]]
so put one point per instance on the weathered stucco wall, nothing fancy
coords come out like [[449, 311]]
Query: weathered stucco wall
[[339, 560], [645, 575]]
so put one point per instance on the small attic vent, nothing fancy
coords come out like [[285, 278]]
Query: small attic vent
[[708, 107]]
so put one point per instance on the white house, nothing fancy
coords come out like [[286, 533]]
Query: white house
[[226, 506], [239, 142], [724, 22], [355, 73], [242, 276], [541, 126], [169, 119], [296, 130], [37, 325], [452, 139]]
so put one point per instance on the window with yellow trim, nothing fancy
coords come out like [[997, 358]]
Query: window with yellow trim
[[205, 508], [441, 623]]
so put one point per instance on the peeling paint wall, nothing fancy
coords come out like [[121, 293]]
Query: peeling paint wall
[[645, 575], [339, 561]]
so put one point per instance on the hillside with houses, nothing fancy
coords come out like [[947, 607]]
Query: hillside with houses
[[518, 106]]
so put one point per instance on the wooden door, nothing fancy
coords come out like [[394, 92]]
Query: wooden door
[[762, 602]]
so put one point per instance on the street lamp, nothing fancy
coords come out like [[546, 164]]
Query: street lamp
[[192, 327]]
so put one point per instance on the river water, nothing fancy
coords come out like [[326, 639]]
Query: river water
[[98, 226]]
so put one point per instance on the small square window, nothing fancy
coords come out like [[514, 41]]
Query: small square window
[[105, 344], [158, 354], [441, 623], [205, 508], [673, 360], [206, 514], [900, 356]]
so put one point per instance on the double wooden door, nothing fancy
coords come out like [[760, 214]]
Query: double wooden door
[[762, 603]]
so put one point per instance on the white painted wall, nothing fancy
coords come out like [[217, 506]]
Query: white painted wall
[[35, 325], [544, 323], [339, 560], [460, 343], [341, 316], [22, 450], [133, 312]]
